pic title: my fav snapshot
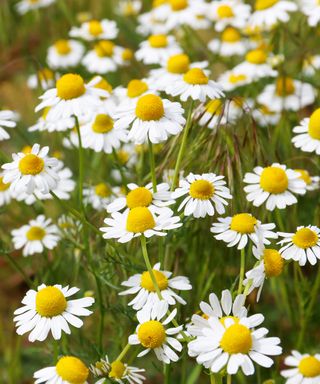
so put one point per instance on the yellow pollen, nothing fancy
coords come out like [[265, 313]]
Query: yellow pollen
[[102, 190], [70, 86], [139, 197], [178, 64], [158, 41], [273, 262], [284, 86], [117, 370], [35, 233], [274, 180], [123, 156], [149, 107], [305, 238], [102, 124], [309, 366], [195, 76], [95, 28], [3, 186], [151, 334], [178, 5], [140, 219], [31, 164], [127, 54], [243, 223], [214, 107], [236, 339], [234, 318], [146, 281], [45, 74], [260, 5], [256, 56], [314, 125], [62, 47], [103, 84], [104, 48], [26, 149], [234, 79], [72, 370], [50, 302], [201, 189], [136, 88], [304, 175], [225, 11], [230, 35]]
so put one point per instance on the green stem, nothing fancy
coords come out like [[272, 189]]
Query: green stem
[[279, 219], [16, 266], [167, 373], [81, 168], [242, 270], [152, 166], [229, 379], [123, 352]]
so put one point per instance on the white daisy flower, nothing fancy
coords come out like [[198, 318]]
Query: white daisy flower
[[151, 24], [168, 176], [43, 79], [234, 345], [273, 185], [43, 124], [98, 196], [139, 221], [195, 84], [231, 80], [226, 13], [5, 192], [238, 229], [7, 120], [30, 171], [69, 369], [265, 117], [152, 118], [48, 309], [229, 44], [65, 54], [301, 246], [68, 225], [304, 368], [308, 134], [157, 49], [206, 193], [311, 9], [142, 286], [311, 65], [25, 6], [312, 182], [129, 8], [153, 334], [96, 30]]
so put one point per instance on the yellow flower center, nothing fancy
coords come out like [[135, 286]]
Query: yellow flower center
[[149, 107], [225, 11], [35, 233], [127, 54], [140, 219], [314, 125], [224, 318], [243, 223], [158, 41], [178, 5], [136, 88], [305, 238], [284, 86], [273, 262], [214, 107], [151, 334], [31, 164], [102, 190], [139, 197], [3, 186], [50, 302], [309, 366], [104, 48], [45, 74], [264, 4], [256, 56], [274, 180], [304, 175], [157, 3], [102, 124], [265, 110], [146, 281], [195, 76], [178, 64], [103, 84], [62, 47], [26, 149], [117, 370], [201, 189], [234, 79], [236, 339], [45, 113], [72, 370], [95, 28], [70, 86], [230, 35], [123, 156]]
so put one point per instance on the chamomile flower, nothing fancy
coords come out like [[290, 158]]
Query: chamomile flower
[[69, 369], [143, 197], [312, 182], [30, 171], [287, 94], [151, 24], [308, 134], [139, 221], [238, 229], [134, 90], [304, 368], [68, 225], [71, 97], [264, 116], [5, 192], [311, 9], [43, 124], [301, 246], [195, 84], [311, 65], [206, 194], [124, 56], [96, 30], [99, 196], [158, 48], [7, 120], [48, 309], [43, 79], [103, 58], [129, 8], [65, 54], [229, 44], [168, 175], [25, 6], [153, 334], [152, 118], [274, 185], [142, 286], [231, 80], [234, 345]]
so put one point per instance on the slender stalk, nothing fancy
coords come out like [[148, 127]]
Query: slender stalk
[[166, 369], [279, 219], [229, 379], [19, 269], [81, 168], [123, 352], [152, 166], [242, 270], [215, 378]]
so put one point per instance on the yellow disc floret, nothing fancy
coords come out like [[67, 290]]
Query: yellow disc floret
[[234, 78], [158, 41], [273, 262], [136, 88], [35, 233], [149, 107], [72, 370], [139, 197], [3, 186], [304, 175], [305, 238], [314, 125], [103, 84], [127, 54], [102, 124], [230, 35], [236, 339], [117, 369], [284, 86], [147, 283], [178, 5], [256, 56], [201, 189], [178, 64], [45, 74], [243, 223], [70, 86], [50, 302], [214, 107], [151, 334], [260, 5], [62, 47], [195, 76], [102, 190], [104, 48], [31, 164], [95, 28], [140, 219], [274, 180], [224, 11], [309, 366]]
